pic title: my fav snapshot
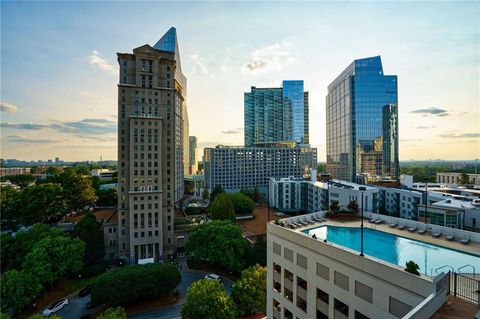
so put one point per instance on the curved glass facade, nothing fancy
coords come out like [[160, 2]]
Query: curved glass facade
[[362, 123]]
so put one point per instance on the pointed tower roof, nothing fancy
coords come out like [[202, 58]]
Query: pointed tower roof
[[169, 43]]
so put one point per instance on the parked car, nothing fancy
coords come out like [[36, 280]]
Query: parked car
[[86, 291], [213, 277], [54, 307]]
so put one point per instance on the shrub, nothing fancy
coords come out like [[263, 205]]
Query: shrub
[[242, 204], [412, 267], [135, 282]]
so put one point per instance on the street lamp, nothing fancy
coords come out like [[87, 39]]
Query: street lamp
[[361, 189]]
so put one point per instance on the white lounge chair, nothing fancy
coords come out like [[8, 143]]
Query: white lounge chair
[[422, 231], [436, 234], [393, 225], [450, 237], [412, 229], [378, 221], [372, 220], [401, 227], [465, 241]]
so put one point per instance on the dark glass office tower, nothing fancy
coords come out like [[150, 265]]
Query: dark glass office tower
[[276, 114], [362, 123]]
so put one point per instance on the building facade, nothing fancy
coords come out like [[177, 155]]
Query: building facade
[[235, 168], [456, 178], [151, 124], [10, 171], [276, 114], [192, 155], [362, 123]]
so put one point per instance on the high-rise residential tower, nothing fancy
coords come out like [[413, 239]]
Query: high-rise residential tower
[[192, 155], [276, 114], [362, 123], [151, 124]]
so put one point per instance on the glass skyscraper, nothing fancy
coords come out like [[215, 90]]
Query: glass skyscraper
[[362, 123], [276, 114]]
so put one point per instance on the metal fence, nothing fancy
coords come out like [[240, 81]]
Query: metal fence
[[465, 286]]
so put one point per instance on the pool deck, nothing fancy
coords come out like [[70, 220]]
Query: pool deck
[[471, 247]]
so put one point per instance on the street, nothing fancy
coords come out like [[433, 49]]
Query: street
[[76, 305]]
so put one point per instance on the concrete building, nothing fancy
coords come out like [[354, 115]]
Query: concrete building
[[151, 129], [309, 277], [192, 155], [236, 167], [362, 123], [276, 114], [456, 178], [296, 195], [10, 171]]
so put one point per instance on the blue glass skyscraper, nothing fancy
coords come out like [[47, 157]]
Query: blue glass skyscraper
[[362, 123], [276, 114]]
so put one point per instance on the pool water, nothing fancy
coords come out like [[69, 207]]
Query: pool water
[[397, 250]]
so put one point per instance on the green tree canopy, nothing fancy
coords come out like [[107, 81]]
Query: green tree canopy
[[42, 203], [107, 197], [222, 208], [216, 191], [136, 282], [257, 252], [18, 289], [242, 204], [353, 206], [113, 313], [207, 299], [91, 232], [77, 189], [250, 292], [218, 242], [54, 257], [9, 206], [464, 179], [22, 180]]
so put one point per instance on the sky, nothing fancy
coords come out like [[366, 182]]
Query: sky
[[59, 71]]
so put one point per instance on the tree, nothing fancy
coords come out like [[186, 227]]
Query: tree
[[321, 168], [216, 191], [91, 232], [207, 299], [205, 194], [222, 208], [412, 267], [353, 206], [250, 292], [54, 257], [218, 242], [135, 282], [78, 190], [14, 249], [113, 313], [22, 180], [256, 196], [243, 205], [464, 179], [9, 206], [18, 289], [42, 203], [107, 197], [257, 252], [334, 207]]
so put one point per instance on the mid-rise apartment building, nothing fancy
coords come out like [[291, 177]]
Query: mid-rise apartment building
[[151, 124], [362, 123], [237, 167], [456, 178], [276, 114], [10, 171]]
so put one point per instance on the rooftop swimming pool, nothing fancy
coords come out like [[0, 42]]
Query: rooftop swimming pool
[[397, 250]]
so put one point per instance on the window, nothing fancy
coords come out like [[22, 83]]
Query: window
[[322, 295], [277, 249], [341, 307], [302, 261], [398, 308], [359, 315], [323, 271], [340, 280], [288, 254], [363, 291]]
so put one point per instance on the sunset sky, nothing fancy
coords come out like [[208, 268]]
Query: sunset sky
[[59, 69]]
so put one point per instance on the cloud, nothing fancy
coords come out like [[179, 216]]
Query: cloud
[[460, 135], [232, 132], [270, 58], [23, 126], [226, 68], [91, 128], [200, 63], [21, 139], [96, 60], [411, 140], [424, 127], [7, 107], [431, 111]]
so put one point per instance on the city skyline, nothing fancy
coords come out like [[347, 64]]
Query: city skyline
[[71, 52]]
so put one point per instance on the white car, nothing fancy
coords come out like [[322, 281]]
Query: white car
[[54, 307], [213, 277]]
